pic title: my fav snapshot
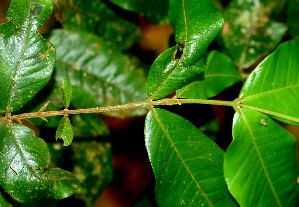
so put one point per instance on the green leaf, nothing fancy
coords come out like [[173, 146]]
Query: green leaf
[[23, 174], [183, 176], [260, 165], [109, 76], [93, 165], [65, 131], [4, 202], [274, 84], [154, 11], [66, 92], [219, 74], [99, 18], [167, 74], [195, 24], [292, 20], [26, 59], [249, 32]]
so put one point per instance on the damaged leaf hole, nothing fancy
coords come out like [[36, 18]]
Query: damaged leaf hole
[[179, 52]]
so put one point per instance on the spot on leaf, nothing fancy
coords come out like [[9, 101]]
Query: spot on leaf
[[37, 10]]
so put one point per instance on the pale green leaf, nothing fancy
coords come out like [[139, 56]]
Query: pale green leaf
[[66, 92], [260, 165], [65, 131], [184, 176]]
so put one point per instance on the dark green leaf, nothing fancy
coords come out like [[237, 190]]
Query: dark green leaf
[[26, 59], [167, 74], [24, 159], [249, 32], [274, 84], [110, 77], [98, 18], [4, 202], [260, 165], [292, 19], [66, 92], [196, 24], [154, 11], [93, 165], [183, 176], [219, 74], [65, 131]]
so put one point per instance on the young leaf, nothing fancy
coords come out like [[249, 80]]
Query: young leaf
[[65, 131], [292, 20], [99, 18], [109, 76], [195, 24], [260, 165], [66, 92], [219, 74], [274, 84], [167, 74], [154, 11], [184, 176], [23, 174], [249, 32], [26, 58]]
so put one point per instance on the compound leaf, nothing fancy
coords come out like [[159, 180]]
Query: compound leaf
[[219, 74], [24, 159], [183, 176], [26, 58], [274, 84], [260, 165]]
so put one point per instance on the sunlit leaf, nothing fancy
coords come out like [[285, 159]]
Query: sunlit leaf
[[154, 11], [219, 74], [99, 18], [184, 176], [109, 76], [249, 32], [260, 165], [23, 167], [65, 131], [66, 92], [274, 84], [26, 59], [292, 20], [196, 24]]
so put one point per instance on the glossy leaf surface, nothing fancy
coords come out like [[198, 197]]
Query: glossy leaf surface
[[219, 74], [195, 24], [66, 92], [260, 165], [154, 11], [249, 32], [274, 84], [65, 131], [184, 176], [24, 159], [167, 74], [111, 25], [26, 58], [292, 19], [109, 76]]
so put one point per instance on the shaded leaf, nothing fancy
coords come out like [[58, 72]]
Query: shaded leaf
[[274, 84], [26, 59], [98, 18], [24, 159], [4, 202], [65, 131], [183, 176], [292, 19], [66, 92], [219, 74], [260, 165], [154, 11], [110, 77], [195, 24], [249, 32], [167, 74], [93, 166]]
